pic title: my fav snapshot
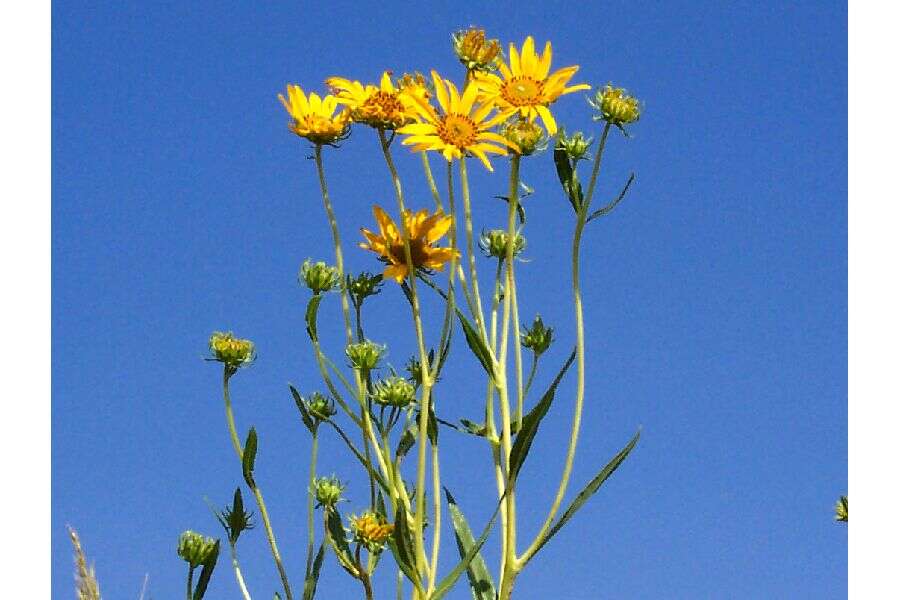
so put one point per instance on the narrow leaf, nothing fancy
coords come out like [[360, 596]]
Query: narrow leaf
[[591, 488], [334, 529], [301, 406], [312, 309], [532, 421], [479, 576], [476, 345], [312, 577], [602, 212], [402, 547], [206, 573], [249, 459], [568, 177]]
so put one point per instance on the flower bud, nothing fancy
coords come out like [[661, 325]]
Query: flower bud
[[615, 106], [394, 391], [475, 51], [319, 277], [328, 491], [840, 509], [493, 243], [230, 350], [364, 285], [576, 145], [415, 85], [235, 518], [365, 355], [196, 549], [528, 137], [320, 407], [371, 530], [537, 338]]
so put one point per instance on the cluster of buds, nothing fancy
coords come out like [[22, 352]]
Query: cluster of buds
[[319, 277], [319, 406], [232, 351], [371, 530], [615, 106], [197, 549], [365, 355], [538, 337], [494, 243], [527, 136], [394, 391], [475, 51], [328, 491], [575, 146], [363, 285]]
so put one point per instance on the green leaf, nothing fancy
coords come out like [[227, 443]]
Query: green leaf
[[301, 406], [432, 425], [476, 345], [531, 421], [407, 440], [206, 573], [602, 212], [402, 548], [568, 177], [249, 459], [591, 488], [447, 583], [312, 577], [479, 576], [312, 309], [334, 529], [478, 429]]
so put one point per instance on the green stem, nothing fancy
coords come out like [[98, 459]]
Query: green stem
[[426, 165], [310, 505], [229, 413], [190, 582], [470, 249], [237, 572]]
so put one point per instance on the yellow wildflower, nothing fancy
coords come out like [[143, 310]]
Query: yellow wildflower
[[371, 530], [383, 106], [527, 85], [461, 127], [313, 118], [232, 351], [475, 51], [424, 230]]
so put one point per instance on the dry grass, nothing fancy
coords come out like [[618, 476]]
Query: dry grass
[[86, 586]]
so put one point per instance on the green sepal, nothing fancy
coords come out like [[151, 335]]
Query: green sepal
[[206, 573], [532, 421], [249, 457], [312, 309], [479, 576]]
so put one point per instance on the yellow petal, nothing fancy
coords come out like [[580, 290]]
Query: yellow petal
[[440, 92], [514, 60], [528, 58], [439, 229], [547, 118], [543, 66], [396, 272]]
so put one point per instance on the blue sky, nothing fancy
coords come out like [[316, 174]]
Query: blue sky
[[716, 293]]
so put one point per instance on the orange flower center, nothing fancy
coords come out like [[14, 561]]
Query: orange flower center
[[382, 108], [522, 91], [417, 251], [457, 130]]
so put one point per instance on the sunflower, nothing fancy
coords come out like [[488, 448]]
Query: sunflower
[[384, 106], [462, 125], [424, 230], [313, 118], [526, 85]]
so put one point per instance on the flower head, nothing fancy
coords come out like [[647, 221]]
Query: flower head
[[528, 137], [363, 285], [461, 127], [365, 355], [371, 530], [234, 518], [475, 51], [313, 118], [394, 391], [493, 243], [527, 86], [232, 351], [538, 337], [328, 491], [575, 145], [424, 230], [616, 106], [197, 549], [319, 406], [319, 277], [382, 106]]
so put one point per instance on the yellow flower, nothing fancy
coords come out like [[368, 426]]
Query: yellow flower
[[462, 125], [313, 118], [475, 51], [527, 86], [384, 106], [232, 351], [424, 230], [371, 530]]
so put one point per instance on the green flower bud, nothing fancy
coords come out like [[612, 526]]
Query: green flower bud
[[840, 509], [319, 277], [234, 518], [363, 285], [371, 530], [328, 491], [394, 391], [475, 51], [320, 407], [230, 350], [365, 355], [537, 338], [576, 145], [197, 549], [493, 243], [615, 106], [527, 136]]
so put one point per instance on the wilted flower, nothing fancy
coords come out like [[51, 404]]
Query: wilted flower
[[230, 350], [320, 407], [537, 338], [575, 145], [493, 243], [615, 106], [319, 277], [363, 285], [197, 549], [394, 391], [328, 491], [475, 51], [527, 136], [415, 85], [365, 355], [371, 530]]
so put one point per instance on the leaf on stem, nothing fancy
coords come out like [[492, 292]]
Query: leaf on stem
[[206, 573], [402, 547], [476, 345], [479, 576], [568, 177], [334, 530], [602, 212], [312, 576], [249, 458], [301, 406], [312, 310]]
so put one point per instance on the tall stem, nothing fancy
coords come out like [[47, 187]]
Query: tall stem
[[237, 572], [310, 504], [470, 249], [190, 582]]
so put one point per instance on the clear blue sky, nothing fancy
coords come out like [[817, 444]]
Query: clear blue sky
[[716, 293]]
